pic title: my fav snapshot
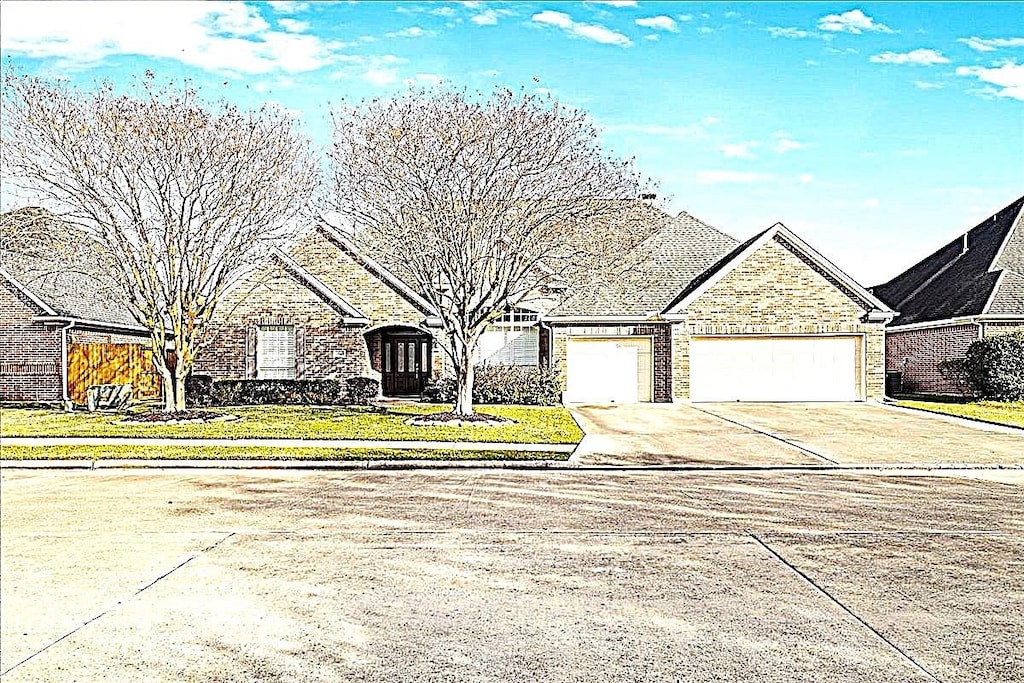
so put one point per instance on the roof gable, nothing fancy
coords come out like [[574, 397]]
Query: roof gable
[[961, 278], [351, 314], [780, 233]]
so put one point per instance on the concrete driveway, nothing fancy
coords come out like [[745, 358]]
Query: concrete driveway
[[788, 434], [481, 575]]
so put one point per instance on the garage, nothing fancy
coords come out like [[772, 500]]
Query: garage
[[608, 370], [796, 368]]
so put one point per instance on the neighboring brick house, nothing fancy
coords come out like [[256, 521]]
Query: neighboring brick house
[[700, 318], [60, 327], [970, 289]]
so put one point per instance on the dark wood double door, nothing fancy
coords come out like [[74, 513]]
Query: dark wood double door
[[405, 363]]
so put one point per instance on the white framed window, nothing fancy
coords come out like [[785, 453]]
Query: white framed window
[[275, 352], [512, 339]]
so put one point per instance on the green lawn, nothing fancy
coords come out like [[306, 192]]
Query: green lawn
[[262, 453], [534, 424], [990, 411]]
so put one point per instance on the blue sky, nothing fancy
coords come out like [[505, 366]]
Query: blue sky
[[876, 131]]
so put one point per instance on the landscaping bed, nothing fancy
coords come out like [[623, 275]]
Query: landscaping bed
[[532, 424]]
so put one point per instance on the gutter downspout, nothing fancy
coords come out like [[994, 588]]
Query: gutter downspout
[[65, 399], [551, 342]]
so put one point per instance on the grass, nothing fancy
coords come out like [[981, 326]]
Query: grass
[[534, 424], [261, 453], [990, 411]]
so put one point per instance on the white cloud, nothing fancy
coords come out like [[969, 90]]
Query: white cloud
[[854, 21], [806, 179], [489, 73], [380, 77], [411, 32], [918, 57], [288, 6], [732, 15], [684, 17], [652, 36], [614, 3], [784, 143], [991, 44], [1007, 77], [425, 79], [705, 30], [594, 32], [736, 177], [662, 23], [872, 203], [293, 25], [216, 36], [489, 17], [780, 32], [927, 85], [738, 150], [672, 132]]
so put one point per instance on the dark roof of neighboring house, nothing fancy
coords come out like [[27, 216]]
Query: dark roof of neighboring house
[[978, 272], [669, 262], [70, 282]]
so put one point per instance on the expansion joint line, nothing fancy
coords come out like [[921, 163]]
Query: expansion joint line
[[800, 448], [807, 579], [119, 603]]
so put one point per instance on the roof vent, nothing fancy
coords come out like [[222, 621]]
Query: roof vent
[[649, 195], [964, 249]]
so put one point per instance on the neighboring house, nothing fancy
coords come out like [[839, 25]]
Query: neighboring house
[[61, 329], [970, 289], [702, 318]]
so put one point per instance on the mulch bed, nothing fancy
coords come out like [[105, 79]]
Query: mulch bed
[[450, 419]]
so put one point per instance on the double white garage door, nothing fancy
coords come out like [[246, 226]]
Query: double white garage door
[[807, 368]]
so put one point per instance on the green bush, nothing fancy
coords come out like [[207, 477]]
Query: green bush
[[241, 392], [508, 384], [995, 367], [198, 389], [361, 390]]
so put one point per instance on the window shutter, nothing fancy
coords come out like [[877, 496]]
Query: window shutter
[[250, 351], [300, 352]]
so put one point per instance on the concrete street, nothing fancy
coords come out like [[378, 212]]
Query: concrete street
[[489, 575]]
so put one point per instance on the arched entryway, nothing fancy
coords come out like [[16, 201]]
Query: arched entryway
[[403, 356]]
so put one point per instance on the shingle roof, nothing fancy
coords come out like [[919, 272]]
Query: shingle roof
[[669, 261], [71, 282], [960, 278]]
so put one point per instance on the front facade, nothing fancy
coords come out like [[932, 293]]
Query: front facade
[[702, 318], [970, 289]]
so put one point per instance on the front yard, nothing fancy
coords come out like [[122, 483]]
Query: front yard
[[990, 411], [544, 425]]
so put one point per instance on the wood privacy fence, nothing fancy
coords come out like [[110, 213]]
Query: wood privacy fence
[[90, 364]]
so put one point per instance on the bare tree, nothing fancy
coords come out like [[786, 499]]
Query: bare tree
[[481, 202], [183, 195]]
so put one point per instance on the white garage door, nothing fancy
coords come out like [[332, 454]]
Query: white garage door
[[608, 370], [774, 369]]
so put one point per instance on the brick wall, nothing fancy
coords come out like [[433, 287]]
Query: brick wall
[[917, 354], [996, 329], [30, 353], [325, 346], [777, 292]]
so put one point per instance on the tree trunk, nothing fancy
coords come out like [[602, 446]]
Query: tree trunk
[[464, 383], [167, 377]]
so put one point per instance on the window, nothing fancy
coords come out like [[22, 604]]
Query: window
[[512, 339], [275, 352]]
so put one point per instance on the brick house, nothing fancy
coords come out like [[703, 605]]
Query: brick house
[[970, 289], [60, 327], [701, 318]]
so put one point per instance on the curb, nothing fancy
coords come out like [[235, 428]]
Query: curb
[[974, 422], [47, 441], [471, 464]]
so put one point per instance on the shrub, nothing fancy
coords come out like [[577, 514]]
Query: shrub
[[240, 392], [995, 367], [198, 389], [509, 384], [361, 390], [954, 371]]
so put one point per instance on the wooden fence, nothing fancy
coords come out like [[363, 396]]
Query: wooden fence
[[90, 364]]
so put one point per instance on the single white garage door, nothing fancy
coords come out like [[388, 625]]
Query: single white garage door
[[812, 368], [608, 370]]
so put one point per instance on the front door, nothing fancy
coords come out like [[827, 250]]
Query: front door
[[405, 364]]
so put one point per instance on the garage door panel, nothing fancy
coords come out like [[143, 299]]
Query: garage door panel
[[608, 370], [811, 368]]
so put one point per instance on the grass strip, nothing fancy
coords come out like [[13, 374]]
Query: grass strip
[[1011, 413], [260, 453]]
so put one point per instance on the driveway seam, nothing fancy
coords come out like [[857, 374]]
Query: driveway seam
[[119, 603], [800, 448], [807, 579]]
